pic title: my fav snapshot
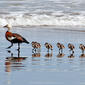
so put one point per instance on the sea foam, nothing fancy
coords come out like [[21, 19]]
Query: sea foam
[[43, 19]]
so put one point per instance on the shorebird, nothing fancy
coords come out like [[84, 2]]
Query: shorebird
[[71, 47], [36, 55], [61, 47], [36, 46], [14, 37], [82, 47], [48, 46]]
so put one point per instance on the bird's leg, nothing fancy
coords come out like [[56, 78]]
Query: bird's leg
[[61, 50], [48, 50], [82, 51], [39, 50], [10, 46], [18, 46], [18, 53], [36, 50], [72, 51], [33, 50], [51, 50]]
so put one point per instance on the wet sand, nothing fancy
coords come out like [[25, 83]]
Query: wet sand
[[42, 68]]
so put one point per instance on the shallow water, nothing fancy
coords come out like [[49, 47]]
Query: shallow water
[[43, 68], [36, 19]]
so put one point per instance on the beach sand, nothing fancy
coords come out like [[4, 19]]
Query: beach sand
[[42, 69]]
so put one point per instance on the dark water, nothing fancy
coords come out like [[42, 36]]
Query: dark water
[[42, 68]]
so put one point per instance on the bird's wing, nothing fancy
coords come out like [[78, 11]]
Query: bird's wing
[[20, 38], [17, 36], [11, 38]]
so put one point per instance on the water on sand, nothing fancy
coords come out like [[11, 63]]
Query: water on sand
[[42, 68]]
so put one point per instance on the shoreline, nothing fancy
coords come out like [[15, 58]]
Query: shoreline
[[65, 28]]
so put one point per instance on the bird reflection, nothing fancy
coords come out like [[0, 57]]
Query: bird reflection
[[49, 55], [18, 55], [82, 56], [7, 66], [14, 63], [60, 55], [36, 58], [36, 55], [71, 55]]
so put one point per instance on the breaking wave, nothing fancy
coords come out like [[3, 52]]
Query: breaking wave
[[43, 19]]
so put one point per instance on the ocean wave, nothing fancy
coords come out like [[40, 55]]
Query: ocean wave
[[43, 19]]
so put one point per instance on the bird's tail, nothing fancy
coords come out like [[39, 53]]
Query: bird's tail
[[26, 41]]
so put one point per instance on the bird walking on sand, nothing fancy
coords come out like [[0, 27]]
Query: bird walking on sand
[[82, 47], [71, 47], [48, 46], [61, 47], [14, 37]]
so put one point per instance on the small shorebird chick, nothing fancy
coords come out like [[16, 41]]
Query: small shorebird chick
[[36, 46], [61, 47], [71, 47], [48, 46], [82, 47]]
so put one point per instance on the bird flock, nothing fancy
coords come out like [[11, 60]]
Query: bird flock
[[36, 47], [14, 38]]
